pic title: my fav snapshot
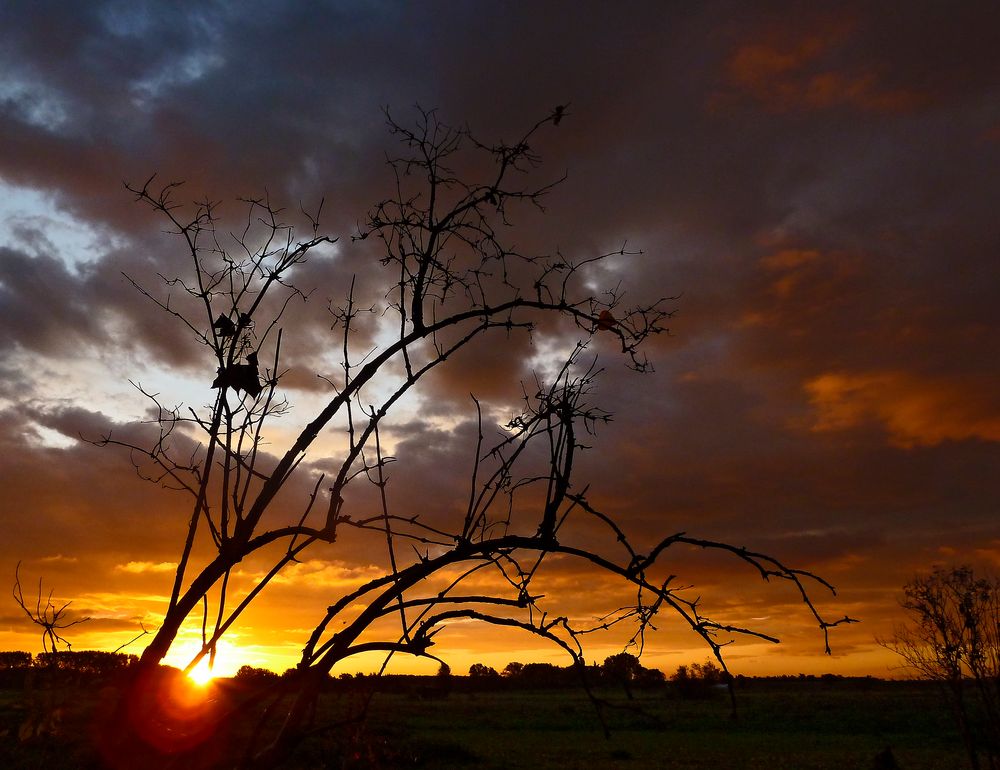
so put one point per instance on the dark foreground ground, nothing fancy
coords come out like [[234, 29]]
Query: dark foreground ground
[[798, 725]]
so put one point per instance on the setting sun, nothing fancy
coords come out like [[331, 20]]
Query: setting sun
[[202, 674], [227, 661]]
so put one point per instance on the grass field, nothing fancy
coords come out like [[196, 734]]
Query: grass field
[[790, 726], [781, 725]]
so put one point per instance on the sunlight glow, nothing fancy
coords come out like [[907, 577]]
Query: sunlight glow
[[202, 674], [228, 659]]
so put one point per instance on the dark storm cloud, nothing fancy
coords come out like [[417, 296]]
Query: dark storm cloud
[[52, 309], [32, 319], [817, 183], [74, 500]]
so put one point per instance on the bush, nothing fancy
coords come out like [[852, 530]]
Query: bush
[[13, 668], [698, 680], [14, 660], [255, 676], [482, 671]]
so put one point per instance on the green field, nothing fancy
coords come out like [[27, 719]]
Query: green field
[[781, 725], [808, 725]]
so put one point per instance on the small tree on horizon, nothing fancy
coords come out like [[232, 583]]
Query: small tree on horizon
[[623, 668], [953, 637], [482, 671], [49, 616]]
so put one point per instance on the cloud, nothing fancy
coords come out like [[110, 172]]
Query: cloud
[[60, 558], [139, 567], [848, 58], [320, 575], [818, 186], [785, 78], [43, 307], [913, 412]]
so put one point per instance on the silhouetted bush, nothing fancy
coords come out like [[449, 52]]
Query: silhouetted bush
[[622, 669], [513, 669], [953, 637], [13, 667], [14, 659], [255, 676], [481, 671], [443, 681], [698, 680]]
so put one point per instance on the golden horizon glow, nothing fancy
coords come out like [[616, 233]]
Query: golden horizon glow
[[855, 654]]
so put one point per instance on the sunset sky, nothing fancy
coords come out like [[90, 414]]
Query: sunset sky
[[817, 184]]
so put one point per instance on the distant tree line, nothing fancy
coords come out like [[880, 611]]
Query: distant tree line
[[623, 670], [81, 666]]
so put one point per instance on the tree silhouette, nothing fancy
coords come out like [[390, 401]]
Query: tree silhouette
[[482, 671], [623, 668], [46, 615], [953, 637], [454, 278]]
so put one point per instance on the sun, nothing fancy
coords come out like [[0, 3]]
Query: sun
[[228, 659], [201, 674]]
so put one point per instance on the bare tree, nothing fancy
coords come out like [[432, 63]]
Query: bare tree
[[453, 277], [46, 698], [953, 637], [46, 614]]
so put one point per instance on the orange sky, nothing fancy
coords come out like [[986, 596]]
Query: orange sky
[[816, 187]]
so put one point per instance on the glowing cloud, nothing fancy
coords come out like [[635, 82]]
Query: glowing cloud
[[913, 411]]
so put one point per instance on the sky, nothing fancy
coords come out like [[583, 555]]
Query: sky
[[815, 184]]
